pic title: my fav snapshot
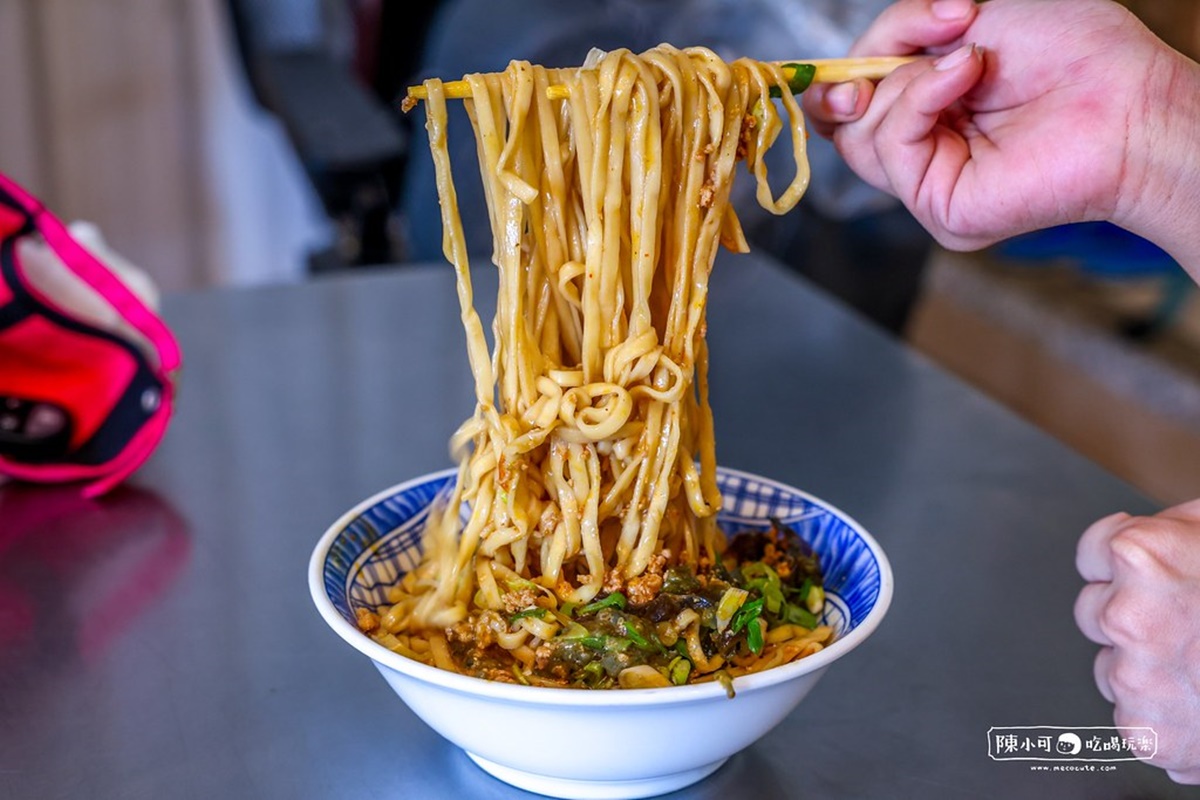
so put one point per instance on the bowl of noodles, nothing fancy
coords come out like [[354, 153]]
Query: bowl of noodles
[[588, 605], [611, 742]]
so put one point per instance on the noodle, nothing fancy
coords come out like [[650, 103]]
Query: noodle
[[589, 466]]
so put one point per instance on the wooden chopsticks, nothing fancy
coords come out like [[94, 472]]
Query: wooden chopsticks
[[800, 75], [840, 70]]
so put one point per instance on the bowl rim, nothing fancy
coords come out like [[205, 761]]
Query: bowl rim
[[568, 697]]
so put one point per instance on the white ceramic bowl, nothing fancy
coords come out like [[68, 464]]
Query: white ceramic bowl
[[638, 742]]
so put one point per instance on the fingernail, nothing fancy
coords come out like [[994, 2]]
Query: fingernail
[[956, 59], [952, 9], [842, 99]]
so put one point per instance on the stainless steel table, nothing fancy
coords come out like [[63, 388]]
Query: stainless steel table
[[161, 644]]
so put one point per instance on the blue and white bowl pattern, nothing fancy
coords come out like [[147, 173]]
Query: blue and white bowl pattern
[[382, 541]]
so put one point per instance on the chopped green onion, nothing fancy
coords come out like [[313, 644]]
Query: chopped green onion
[[747, 613], [802, 78], [754, 636], [679, 670], [606, 643], [568, 609], [731, 601], [594, 672], [680, 579], [632, 633], [800, 595], [765, 581], [518, 583], [613, 600], [798, 615], [650, 642], [815, 599], [532, 611]]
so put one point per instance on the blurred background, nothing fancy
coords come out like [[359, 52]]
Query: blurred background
[[236, 142]]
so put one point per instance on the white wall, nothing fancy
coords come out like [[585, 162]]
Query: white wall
[[133, 114]]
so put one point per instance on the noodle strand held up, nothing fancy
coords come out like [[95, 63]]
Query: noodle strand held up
[[589, 462]]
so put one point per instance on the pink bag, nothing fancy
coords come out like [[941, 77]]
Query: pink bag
[[87, 368]]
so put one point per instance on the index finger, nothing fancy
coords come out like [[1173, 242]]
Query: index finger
[[1093, 557], [910, 26]]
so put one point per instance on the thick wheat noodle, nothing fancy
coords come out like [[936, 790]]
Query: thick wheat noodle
[[579, 463]]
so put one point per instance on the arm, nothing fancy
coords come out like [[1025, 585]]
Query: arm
[[1161, 197]]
